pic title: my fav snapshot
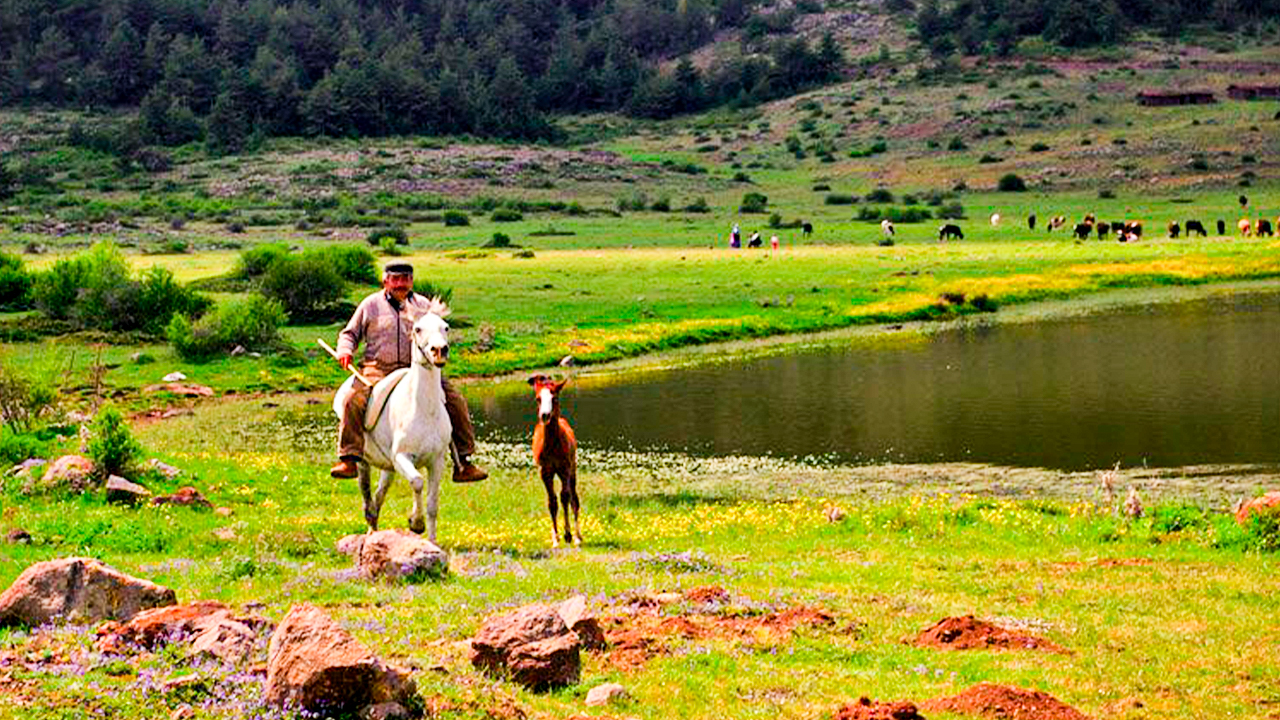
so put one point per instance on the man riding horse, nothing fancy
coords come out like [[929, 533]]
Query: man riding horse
[[384, 320]]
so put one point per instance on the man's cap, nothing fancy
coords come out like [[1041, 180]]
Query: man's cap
[[397, 268]]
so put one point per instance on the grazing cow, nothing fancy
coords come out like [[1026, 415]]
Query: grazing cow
[[555, 451], [1222, 227], [806, 229], [949, 231], [1194, 226], [1245, 227], [1174, 229], [1090, 218], [1057, 222], [1244, 201], [1103, 229], [1264, 228], [1133, 227], [995, 219], [1031, 221], [886, 227], [1083, 230], [755, 240]]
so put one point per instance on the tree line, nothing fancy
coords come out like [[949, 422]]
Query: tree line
[[994, 27], [232, 71]]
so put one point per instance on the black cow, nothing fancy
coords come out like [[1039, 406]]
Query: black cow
[[806, 229], [1083, 230], [1103, 229], [1031, 221], [1264, 228], [1174, 229], [950, 231], [1222, 227], [1194, 226]]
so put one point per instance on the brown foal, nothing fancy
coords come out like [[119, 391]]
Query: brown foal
[[555, 450]]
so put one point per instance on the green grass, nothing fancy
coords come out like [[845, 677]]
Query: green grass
[[1176, 619]]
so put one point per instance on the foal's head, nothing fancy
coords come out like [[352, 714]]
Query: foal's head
[[547, 392]]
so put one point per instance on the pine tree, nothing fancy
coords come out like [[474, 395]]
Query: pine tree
[[123, 63]]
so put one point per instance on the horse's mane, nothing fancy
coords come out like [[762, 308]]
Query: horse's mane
[[436, 304]]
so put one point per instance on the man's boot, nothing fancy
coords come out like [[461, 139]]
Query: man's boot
[[465, 472], [345, 469]]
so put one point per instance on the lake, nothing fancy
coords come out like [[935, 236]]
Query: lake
[[1165, 385]]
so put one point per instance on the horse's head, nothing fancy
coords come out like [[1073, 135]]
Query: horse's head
[[547, 392], [431, 334]]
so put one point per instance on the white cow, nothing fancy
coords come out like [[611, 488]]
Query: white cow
[[407, 428], [886, 227]]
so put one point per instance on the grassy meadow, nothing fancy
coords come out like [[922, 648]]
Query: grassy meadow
[[619, 251]]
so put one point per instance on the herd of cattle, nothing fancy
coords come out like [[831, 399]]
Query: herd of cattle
[[1124, 231]]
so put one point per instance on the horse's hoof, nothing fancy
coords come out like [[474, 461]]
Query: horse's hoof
[[418, 527]]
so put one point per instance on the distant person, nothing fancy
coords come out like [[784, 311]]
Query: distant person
[[755, 241], [735, 237], [773, 242]]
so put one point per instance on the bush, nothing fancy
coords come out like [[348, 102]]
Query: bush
[[907, 214], [698, 206], [353, 263], [499, 240], [456, 218], [1038, 147], [94, 290], [396, 234], [254, 262], [662, 204], [16, 447], [111, 445], [753, 202], [634, 202], [428, 289], [22, 401], [506, 215], [305, 286], [389, 247], [957, 144], [1176, 518], [252, 323], [988, 159], [15, 283], [1106, 194], [1011, 183], [951, 211], [840, 199], [821, 187], [880, 195]]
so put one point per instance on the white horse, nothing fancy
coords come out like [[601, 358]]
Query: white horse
[[407, 427]]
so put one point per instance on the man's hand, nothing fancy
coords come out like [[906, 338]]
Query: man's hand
[[344, 360]]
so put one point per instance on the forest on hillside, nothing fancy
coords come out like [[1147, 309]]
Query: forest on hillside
[[249, 68]]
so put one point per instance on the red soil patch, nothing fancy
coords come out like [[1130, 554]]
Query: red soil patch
[[866, 709], [1001, 701], [968, 633], [635, 639], [707, 594]]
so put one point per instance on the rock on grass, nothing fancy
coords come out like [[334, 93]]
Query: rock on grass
[[78, 589]]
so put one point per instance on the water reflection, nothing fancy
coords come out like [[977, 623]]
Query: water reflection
[[1172, 385]]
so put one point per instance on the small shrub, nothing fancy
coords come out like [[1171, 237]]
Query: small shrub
[[880, 195], [426, 288], [390, 248], [353, 263], [840, 199], [635, 202], [821, 187], [1198, 163], [395, 234], [698, 206], [22, 401], [753, 202], [1106, 194], [984, 303], [255, 261], [499, 240], [16, 447], [235, 227], [112, 447], [304, 285], [1176, 518], [506, 215], [252, 323], [523, 254], [456, 218], [951, 211], [988, 159], [741, 177], [885, 242], [1011, 183], [957, 143], [15, 283], [662, 204], [1038, 147]]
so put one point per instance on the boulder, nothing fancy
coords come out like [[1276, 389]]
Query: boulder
[[575, 615], [400, 554], [73, 472], [314, 664], [350, 545], [168, 471], [25, 468], [78, 588], [184, 389], [123, 492], [532, 645], [1261, 503], [186, 497], [605, 694], [209, 626]]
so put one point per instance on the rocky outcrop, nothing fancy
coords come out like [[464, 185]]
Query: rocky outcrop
[[73, 473], [122, 492], [210, 628], [606, 694], [575, 615], [315, 665], [78, 589], [532, 645], [1262, 503], [395, 554]]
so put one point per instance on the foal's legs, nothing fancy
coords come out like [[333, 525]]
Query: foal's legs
[[549, 484], [570, 485]]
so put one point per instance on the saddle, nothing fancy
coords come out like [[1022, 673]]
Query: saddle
[[378, 397]]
